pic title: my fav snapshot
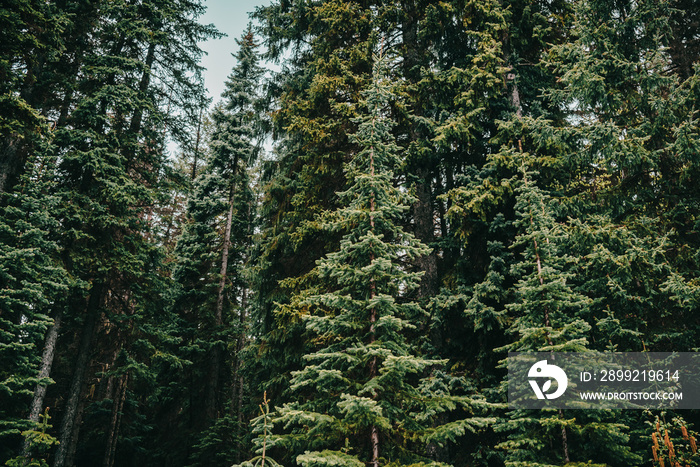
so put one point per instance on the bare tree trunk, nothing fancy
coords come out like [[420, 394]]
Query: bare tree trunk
[[44, 372], [375, 447], [564, 439], [224, 259], [75, 435], [215, 366], [135, 126], [72, 410], [117, 406]]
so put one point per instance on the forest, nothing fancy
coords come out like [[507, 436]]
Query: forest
[[329, 265]]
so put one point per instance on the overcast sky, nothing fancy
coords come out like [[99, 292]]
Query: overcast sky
[[230, 17]]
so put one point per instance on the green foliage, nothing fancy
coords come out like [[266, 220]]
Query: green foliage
[[510, 175], [328, 459], [364, 381], [261, 428], [32, 281], [37, 444], [211, 290]]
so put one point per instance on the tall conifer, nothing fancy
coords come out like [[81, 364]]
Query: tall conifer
[[212, 299], [363, 396]]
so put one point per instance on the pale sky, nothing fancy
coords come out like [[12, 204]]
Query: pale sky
[[230, 17]]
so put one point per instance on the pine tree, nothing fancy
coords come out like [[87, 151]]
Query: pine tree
[[363, 396], [494, 84], [32, 279], [544, 152], [211, 255], [108, 146]]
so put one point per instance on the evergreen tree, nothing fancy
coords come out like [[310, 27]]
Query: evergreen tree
[[32, 47], [546, 312], [38, 444], [33, 280], [530, 182], [262, 427], [109, 168], [623, 149], [32, 277], [620, 179], [211, 254], [363, 396], [315, 95]]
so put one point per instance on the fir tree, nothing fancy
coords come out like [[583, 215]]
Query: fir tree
[[261, 426], [211, 255], [37, 446], [315, 96], [109, 159], [612, 152], [362, 396], [33, 280]]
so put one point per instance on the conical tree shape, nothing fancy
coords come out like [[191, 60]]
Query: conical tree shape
[[548, 314], [211, 254], [361, 396]]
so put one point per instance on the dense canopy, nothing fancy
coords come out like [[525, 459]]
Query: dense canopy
[[329, 265]]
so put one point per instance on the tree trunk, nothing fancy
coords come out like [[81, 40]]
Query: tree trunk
[[423, 208], [75, 434], [564, 439], [224, 258], [117, 406], [72, 409], [16, 149], [135, 125], [215, 365], [44, 372]]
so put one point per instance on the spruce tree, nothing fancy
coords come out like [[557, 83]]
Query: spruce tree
[[110, 166], [620, 178], [212, 299], [363, 395], [33, 280]]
